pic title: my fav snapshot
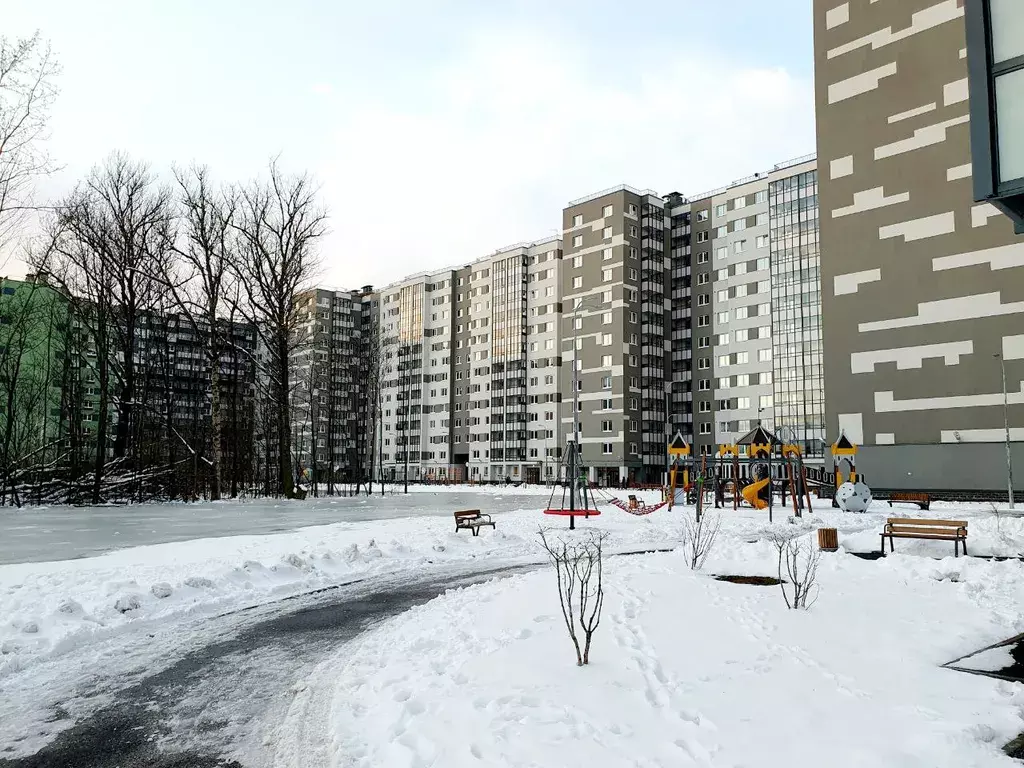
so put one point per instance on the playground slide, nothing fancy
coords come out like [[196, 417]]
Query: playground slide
[[750, 494]]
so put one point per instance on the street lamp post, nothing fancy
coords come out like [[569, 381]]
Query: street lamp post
[[577, 306], [1006, 428], [408, 416]]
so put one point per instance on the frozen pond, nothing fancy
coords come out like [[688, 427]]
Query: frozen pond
[[63, 533]]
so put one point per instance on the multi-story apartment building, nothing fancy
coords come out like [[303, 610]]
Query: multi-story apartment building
[[661, 310], [332, 429], [616, 324], [471, 358], [923, 288], [754, 250]]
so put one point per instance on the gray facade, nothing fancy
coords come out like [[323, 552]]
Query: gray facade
[[922, 288]]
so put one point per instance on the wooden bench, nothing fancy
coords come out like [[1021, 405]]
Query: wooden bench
[[472, 520], [916, 528], [923, 500]]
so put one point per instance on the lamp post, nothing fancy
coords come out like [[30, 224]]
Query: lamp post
[[578, 304], [408, 415], [1006, 428]]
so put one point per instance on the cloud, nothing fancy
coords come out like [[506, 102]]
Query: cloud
[[497, 138]]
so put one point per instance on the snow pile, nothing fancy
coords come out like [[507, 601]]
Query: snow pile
[[684, 671], [52, 608]]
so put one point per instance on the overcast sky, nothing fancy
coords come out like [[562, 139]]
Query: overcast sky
[[440, 130]]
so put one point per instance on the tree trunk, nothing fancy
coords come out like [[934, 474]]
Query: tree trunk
[[216, 417], [284, 431]]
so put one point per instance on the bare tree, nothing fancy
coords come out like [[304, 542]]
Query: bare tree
[[199, 282], [107, 241], [28, 70], [699, 534], [578, 562], [798, 560], [279, 224]]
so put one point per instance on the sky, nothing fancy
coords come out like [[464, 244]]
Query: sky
[[439, 130]]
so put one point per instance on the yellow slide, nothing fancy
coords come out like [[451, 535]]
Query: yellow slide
[[750, 494]]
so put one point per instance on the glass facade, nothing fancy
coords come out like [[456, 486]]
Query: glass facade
[[799, 397]]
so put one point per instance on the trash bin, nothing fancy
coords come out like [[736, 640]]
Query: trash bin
[[828, 539]]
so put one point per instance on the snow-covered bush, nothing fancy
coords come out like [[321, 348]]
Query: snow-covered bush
[[699, 534], [579, 571], [798, 560]]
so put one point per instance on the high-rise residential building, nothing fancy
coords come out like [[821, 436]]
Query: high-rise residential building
[[471, 369], [923, 290], [332, 432], [650, 315], [616, 323], [753, 246]]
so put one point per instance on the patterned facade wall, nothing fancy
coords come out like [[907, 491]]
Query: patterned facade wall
[[921, 287]]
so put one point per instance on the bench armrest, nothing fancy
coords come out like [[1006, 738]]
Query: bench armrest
[[485, 517]]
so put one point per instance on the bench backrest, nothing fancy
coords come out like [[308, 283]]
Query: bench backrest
[[908, 496], [917, 521], [467, 513]]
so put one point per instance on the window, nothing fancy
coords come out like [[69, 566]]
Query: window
[[606, 254], [632, 274], [606, 318], [724, 383], [606, 448], [763, 286], [606, 361], [703, 299], [632, 253], [762, 264], [702, 257], [723, 295], [577, 323], [743, 380], [703, 364], [606, 404], [606, 382], [739, 202], [723, 318], [704, 385], [606, 275], [723, 361], [606, 296], [577, 262], [705, 428], [739, 225], [766, 378], [740, 335], [704, 406], [761, 219], [606, 339], [703, 321], [632, 209], [577, 220], [762, 241], [722, 231], [607, 211], [702, 278], [632, 400], [743, 402], [577, 241], [632, 231], [741, 313], [741, 268], [765, 401], [632, 317], [633, 339], [632, 360], [721, 209], [549, 344], [722, 253], [741, 291], [549, 291], [703, 342], [702, 237], [764, 309], [739, 246], [702, 215], [607, 233], [606, 425], [764, 355], [577, 282], [761, 197], [742, 358]]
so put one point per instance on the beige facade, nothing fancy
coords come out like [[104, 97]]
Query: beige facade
[[922, 288]]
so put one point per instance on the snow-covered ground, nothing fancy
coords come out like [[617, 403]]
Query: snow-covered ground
[[686, 670]]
